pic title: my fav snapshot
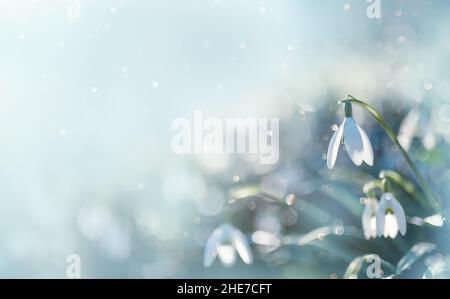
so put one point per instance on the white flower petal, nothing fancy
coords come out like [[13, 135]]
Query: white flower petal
[[353, 141], [369, 219], [399, 215], [366, 218], [368, 152], [429, 139], [435, 220], [227, 255], [211, 246], [240, 243], [391, 227], [373, 227], [408, 128], [381, 214], [333, 147]]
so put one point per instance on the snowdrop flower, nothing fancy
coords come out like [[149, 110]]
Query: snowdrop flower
[[224, 242], [408, 128], [369, 218], [436, 220], [423, 124], [356, 142], [390, 217]]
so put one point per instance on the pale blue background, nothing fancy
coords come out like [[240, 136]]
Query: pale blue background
[[86, 108]]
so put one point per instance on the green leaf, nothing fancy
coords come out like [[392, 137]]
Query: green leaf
[[244, 191], [413, 255], [438, 268], [399, 180]]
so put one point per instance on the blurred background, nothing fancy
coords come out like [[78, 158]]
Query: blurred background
[[89, 90]]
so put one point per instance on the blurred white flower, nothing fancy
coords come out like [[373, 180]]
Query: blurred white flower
[[423, 124], [356, 142], [369, 218], [435, 220], [390, 217], [224, 242], [408, 128]]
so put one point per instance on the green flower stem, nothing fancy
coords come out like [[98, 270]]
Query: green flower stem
[[386, 185], [407, 186], [371, 187], [432, 200]]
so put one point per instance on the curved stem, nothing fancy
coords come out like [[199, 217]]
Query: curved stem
[[434, 203], [406, 185]]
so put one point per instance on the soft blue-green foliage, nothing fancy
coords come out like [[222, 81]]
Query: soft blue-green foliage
[[87, 102]]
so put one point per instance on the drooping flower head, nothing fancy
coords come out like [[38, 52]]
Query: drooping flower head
[[356, 142], [391, 217], [369, 218], [224, 242]]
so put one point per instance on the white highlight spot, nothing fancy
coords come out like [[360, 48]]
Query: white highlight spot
[[401, 39], [262, 10], [242, 45]]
